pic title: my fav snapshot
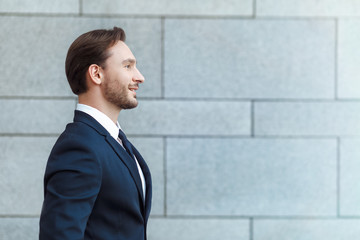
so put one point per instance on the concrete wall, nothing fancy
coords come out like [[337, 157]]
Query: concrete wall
[[249, 116]]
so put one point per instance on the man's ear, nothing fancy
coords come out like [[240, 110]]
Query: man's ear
[[95, 74]]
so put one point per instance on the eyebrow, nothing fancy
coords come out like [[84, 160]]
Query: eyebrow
[[129, 60]]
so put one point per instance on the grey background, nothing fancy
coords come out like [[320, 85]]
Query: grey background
[[249, 116]]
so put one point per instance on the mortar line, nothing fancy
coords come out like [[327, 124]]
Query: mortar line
[[258, 217], [37, 98], [19, 216], [252, 116], [157, 16], [162, 74], [336, 70], [251, 229], [30, 135], [338, 178], [254, 8], [80, 7], [165, 174]]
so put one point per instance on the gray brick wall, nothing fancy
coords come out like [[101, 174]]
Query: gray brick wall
[[249, 115]]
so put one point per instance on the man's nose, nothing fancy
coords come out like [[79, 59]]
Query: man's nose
[[138, 77]]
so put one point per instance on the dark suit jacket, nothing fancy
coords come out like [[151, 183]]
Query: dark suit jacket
[[92, 187]]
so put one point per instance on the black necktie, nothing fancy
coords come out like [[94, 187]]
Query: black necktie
[[126, 144]]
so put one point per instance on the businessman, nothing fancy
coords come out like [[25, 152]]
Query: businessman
[[96, 184]]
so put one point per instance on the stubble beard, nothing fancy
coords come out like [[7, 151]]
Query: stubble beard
[[118, 95]]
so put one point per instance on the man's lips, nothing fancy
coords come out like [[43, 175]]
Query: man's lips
[[133, 88]]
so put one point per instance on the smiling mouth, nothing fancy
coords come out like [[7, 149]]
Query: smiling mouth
[[133, 88]]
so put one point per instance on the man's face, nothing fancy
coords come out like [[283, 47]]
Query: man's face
[[121, 77]]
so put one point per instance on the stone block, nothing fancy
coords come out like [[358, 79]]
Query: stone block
[[35, 116], [163, 7], [349, 177], [35, 53], [327, 229], [307, 8], [152, 150], [194, 229], [39, 6], [161, 117], [307, 118], [22, 168], [228, 58], [348, 59], [19, 228], [251, 177]]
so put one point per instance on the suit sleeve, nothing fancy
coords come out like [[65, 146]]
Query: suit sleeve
[[71, 184]]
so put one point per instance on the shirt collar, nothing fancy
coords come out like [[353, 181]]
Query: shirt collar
[[104, 120]]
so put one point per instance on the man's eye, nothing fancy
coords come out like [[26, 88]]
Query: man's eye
[[127, 66]]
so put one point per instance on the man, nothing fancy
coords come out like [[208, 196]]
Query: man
[[97, 185]]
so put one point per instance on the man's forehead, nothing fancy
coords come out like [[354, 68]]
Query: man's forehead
[[122, 50]]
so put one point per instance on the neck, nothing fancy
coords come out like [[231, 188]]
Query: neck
[[108, 109]]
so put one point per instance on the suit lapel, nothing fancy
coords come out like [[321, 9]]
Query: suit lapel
[[128, 161], [146, 171], [120, 151]]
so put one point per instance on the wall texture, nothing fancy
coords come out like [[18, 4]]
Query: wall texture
[[249, 116]]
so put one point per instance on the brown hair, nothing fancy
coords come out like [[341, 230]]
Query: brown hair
[[89, 48]]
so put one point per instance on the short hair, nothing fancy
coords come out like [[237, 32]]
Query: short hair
[[89, 48]]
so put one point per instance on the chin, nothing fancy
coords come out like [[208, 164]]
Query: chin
[[129, 105]]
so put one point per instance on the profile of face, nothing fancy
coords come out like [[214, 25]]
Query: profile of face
[[121, 77]]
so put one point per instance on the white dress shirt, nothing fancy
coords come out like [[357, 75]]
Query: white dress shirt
[[113, 129]]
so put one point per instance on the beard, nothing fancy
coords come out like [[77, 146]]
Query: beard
[[118, 94]]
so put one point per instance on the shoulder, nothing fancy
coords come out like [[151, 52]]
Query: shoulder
[[79, 134], [78, 145]]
